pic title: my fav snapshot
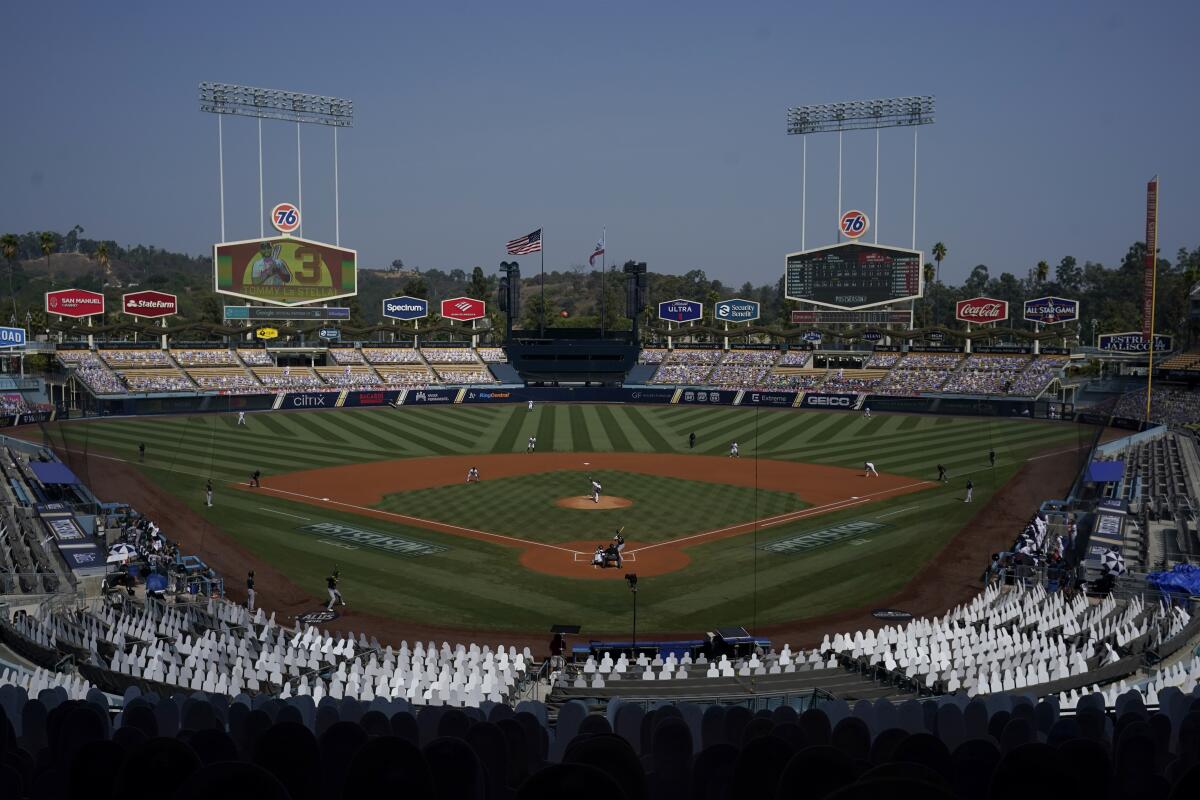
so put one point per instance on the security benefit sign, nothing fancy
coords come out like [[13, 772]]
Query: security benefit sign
[[736, 310], [285, 271]]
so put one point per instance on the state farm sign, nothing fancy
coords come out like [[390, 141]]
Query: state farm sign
[[149, 304], [981, 310], [463, 309], [74, 303]]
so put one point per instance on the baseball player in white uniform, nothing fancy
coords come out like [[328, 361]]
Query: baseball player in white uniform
[[473, 475], [733, 450], [870, 470], [595, 490], [241, 418], [531, 405]]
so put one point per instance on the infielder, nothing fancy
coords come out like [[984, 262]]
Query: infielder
[[942, 474], [869, 467], [334, 595], [733, 450], [970, 490], [473, 475], [529, 445], [595, 490], [241, 418]]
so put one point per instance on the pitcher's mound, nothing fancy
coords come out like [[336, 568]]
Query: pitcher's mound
[[606, 502]]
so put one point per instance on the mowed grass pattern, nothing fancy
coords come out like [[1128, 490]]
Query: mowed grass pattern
[[481, 584], [524, 506]]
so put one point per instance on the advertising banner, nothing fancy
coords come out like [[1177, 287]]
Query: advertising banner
[[463, 309], [149, 304], [981, 310], [493, 396], [1051, 310], [1133, 342], [736, 310], [370, 399], [268, 313], [74, 303], [12, 337], [680, 310], [431, 397], [649, 395], [1148, 275], [841, 401], [705, 396], [284, 270], [406, 307], [308, 400], [772, 399]]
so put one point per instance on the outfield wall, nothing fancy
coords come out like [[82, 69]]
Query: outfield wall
[[691, 395]]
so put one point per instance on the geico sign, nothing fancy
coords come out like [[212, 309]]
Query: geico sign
[[841, 402]]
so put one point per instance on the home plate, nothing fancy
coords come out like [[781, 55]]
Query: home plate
[[587, 463], [852, 497]]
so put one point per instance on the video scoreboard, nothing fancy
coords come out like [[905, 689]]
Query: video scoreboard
[[853, 275]]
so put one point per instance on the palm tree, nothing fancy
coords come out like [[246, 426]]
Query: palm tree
[[1042, 270], [9, 245], [939, 252], [46, 242], [103, 260], [928, 272]]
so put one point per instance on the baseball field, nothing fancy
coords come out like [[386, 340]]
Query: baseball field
[[791, 530]]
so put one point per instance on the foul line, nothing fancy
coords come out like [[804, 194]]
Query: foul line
[[431, 524], [284, 513], [791, 516], [897, 511]]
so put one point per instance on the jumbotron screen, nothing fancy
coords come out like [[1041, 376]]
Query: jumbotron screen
[[853, 275]]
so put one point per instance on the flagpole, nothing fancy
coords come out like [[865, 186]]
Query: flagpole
[[542, 315]]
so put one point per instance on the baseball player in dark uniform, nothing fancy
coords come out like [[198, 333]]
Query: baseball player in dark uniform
[[970, 490], [335, 596], [942, 473], [250, 594], [992, 457]]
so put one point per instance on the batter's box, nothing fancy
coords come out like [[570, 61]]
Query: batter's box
[[626, 558]]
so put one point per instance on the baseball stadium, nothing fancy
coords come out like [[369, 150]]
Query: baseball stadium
[[616, 532]]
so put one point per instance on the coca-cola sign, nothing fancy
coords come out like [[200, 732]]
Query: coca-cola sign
[[1051, 310], [981, 310]]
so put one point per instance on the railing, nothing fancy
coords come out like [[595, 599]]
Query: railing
[[800, 700]]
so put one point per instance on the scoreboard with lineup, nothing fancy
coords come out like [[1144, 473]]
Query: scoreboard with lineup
[[853, 275]]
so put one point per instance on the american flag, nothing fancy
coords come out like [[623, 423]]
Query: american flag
[[524, 245]]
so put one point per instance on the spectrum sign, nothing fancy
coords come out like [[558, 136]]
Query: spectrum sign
[[149, 304], [406, 308], [74, 303]]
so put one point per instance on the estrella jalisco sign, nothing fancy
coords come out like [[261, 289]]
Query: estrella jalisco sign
[[1133, 342]]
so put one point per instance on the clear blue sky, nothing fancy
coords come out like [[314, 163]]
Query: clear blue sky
[[477, 122]]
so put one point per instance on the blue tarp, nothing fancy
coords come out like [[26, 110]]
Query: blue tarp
[[1183, 579], [53, 472], [1106, 471]]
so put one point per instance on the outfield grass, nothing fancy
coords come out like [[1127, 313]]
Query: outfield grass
[[481, 584]]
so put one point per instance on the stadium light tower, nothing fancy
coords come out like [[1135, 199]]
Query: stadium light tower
[[250, 101], [858, 115]]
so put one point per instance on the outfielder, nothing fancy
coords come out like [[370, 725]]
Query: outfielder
[[970, 490], [241, 418], [595, 490], [531, 405], [334, 595], [867, 412], [869, 467]]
